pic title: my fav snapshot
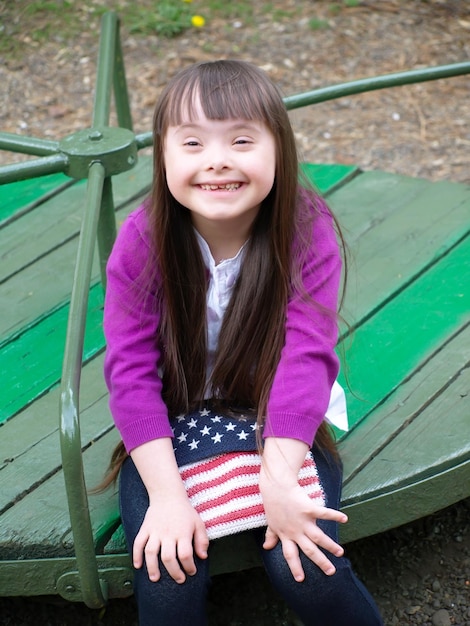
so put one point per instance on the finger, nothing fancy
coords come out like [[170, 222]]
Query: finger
[[325, 513], [329, 545], [151, 552], [313, 552], [318, 537], [270, 539], [291, 554], [186, 557], [171, 563], [201, 541], [138, 549]]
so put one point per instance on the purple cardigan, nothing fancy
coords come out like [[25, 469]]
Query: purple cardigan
[[307, 368]]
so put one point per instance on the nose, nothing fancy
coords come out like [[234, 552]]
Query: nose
[[218, 166], [217, 158]]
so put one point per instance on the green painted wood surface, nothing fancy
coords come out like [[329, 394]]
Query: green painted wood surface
[[327, 177], [399, 337], [30, 364], [35, 519], [39, 269], [29, 443], [395, 227], [26, 194], [422, 387]]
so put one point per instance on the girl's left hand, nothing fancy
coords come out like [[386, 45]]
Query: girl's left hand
[[291, 515]]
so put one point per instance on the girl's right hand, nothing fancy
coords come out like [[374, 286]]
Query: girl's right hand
[[173, 531]]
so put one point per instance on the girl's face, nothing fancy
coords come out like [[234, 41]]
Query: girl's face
[[221, 170]]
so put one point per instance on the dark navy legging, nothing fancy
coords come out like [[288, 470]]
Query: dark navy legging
[[320, 600]]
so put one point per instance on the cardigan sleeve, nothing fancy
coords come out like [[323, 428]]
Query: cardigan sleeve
[[308, 364], [131, 322]]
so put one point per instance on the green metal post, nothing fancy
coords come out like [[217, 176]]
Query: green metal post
[[121, 94], [110, 73], [105, 70], [93, 589], [106, 228]]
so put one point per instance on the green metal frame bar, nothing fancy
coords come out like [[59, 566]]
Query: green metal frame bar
[[99, 223], [43, 577], [34, 168], [27, 145], [93, 588], [386, 81]]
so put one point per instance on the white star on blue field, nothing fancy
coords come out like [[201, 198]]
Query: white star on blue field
[[205, 433]]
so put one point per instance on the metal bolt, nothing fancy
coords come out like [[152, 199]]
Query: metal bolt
[[131, 160], [95, 135], [70, 589], [127, 584]]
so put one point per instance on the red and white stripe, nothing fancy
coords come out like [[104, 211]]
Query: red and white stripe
[[225, 491]]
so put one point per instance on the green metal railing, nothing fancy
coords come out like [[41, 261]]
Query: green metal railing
[[98, 153], [98, 223]]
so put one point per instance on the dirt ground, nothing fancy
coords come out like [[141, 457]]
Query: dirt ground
[[420, 573]]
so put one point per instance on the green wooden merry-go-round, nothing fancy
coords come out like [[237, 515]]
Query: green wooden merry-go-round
[[406, 349]]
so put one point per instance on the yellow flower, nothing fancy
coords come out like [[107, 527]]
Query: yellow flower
[[188, 1], [198, 21]]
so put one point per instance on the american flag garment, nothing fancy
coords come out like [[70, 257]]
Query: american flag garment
[[219, 465]]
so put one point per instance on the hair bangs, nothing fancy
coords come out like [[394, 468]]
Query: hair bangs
[[223, 90]]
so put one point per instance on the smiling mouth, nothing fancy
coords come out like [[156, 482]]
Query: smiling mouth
[[226, 187]]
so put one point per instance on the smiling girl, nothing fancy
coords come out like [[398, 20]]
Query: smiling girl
[[221, 326]]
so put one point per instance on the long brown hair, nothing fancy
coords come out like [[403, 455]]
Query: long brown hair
[[253, 329]]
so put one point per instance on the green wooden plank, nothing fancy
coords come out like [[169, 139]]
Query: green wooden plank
[[328, 177], [31, 358], [405, 504], [396, 227], [32, 363], [406, 403], [38, 288], [54, 224], [371, 197], [38, 525], [46, 279], [16, 197], [58, 220], [436, 440], [36, 459], [35, 520], [387, 348], [29, 443], [434, 445]]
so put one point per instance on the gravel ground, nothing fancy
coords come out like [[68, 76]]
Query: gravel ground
[[420, 573]]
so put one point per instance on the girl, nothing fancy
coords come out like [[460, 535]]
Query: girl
[[221, 324]]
